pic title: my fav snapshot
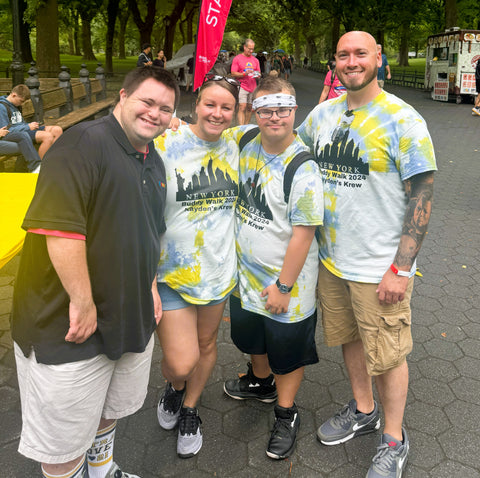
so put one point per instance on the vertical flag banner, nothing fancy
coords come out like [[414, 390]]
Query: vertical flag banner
[[211, 25]]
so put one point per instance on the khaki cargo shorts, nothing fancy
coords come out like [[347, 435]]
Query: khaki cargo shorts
[[351, 311]]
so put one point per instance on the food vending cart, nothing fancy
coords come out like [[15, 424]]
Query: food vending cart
[[450, 64]]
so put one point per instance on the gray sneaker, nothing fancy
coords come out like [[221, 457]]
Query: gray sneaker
[[168, 408], [476, 110], [346, 424], [190, 439], [116, 472], [391, 457]]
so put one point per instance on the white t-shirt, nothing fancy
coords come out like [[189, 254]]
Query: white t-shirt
[[384, 143], [197, 256], [264, 226]]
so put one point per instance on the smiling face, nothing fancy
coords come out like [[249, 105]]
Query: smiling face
[[146, 112], [357, 61], [248, 48], [275, 130], [215, 111]]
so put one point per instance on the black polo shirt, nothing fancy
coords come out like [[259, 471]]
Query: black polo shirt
[[95, 183]]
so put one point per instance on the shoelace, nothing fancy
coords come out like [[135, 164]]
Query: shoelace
[[385, 457], [189, 423], [282, 423], [172, 401], [343, 416]]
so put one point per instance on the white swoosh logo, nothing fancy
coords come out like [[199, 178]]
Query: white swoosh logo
[[253, 385]]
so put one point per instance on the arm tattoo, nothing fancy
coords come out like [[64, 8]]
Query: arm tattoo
[[419, 190]]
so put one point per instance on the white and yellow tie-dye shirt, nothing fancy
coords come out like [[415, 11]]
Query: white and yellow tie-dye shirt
[[364, 160], [264, 226], [198, 248]]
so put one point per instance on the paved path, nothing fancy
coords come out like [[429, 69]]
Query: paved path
[[443, 410]]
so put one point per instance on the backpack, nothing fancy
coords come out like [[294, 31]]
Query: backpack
[[9, 113], [292, 166]]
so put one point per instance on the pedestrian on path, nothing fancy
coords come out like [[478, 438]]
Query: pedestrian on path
[[274, 318], [197, 269], [85, 303], [383, 69], [476, 108], [377, 161]]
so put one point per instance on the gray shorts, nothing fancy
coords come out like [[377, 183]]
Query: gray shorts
[[245, 97], [62, 404]]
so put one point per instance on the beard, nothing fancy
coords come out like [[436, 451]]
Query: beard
[[355, 87]]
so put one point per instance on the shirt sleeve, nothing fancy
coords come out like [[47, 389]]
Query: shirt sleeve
[[65, 190], [305, 206]]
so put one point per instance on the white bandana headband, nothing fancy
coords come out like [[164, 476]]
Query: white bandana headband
[[276, 99]]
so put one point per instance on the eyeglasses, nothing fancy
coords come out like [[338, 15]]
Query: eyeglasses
[[210, 77], [340, 133], [283, 112]]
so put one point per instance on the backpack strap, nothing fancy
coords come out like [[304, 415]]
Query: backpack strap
[[292, 167], [247, 137], [9, 111]]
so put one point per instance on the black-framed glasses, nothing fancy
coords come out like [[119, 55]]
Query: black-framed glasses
[[341, 131], [211, 77], [282, 112]]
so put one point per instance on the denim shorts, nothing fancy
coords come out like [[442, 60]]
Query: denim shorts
[[172, 300]]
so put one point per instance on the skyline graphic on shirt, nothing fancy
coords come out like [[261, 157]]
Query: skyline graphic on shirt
[[341, 157], [207, 184], [252, 198]]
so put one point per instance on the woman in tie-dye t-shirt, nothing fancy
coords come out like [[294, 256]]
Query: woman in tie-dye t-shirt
[[197, 268]]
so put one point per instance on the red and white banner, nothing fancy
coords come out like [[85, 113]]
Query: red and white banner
[[211, 25]]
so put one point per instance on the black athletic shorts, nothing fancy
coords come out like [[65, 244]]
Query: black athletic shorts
[[288, 346]]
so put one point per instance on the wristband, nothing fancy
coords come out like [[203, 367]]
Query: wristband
[[399, 273]]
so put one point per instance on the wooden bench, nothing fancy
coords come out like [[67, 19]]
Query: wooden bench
[[54, 102]]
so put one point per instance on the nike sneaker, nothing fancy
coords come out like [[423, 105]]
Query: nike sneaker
[[249, 386], [391, 457], [347, 424], [284, 433]]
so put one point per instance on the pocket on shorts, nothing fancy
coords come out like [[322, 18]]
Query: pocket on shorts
[[393, 343]]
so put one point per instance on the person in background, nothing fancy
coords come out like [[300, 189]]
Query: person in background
[[85, 302], [161, 60], [20, 143], [144, 57], [11, 116], [476, 107], [332, 87], [190, 69], [245, 68], [383, 69], [375, 223]]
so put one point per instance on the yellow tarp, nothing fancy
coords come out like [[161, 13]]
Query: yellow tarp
[[16, 192]]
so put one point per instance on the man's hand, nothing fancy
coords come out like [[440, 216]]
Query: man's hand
[[83, 321], [392, 288], [277, 303], [3, 132], [33, 125]]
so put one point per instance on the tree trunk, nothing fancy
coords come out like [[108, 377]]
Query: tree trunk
[[335, 34], [123, 20], [112, 11], [381, 38], [26, 46], [76, 37], [87, 40], [171, 26], [451, 13], [144, 27], [403, 54], [48, 54], [190, 17]]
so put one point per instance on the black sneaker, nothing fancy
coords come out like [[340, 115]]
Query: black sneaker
[[190, 437], [284, 434], [168, 408], [249, 386]]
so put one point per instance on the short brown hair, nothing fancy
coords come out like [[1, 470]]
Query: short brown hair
[[272, 84], [23, 91]]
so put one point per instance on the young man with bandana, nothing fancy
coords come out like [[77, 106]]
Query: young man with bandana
[[273, 317], [377, 163]]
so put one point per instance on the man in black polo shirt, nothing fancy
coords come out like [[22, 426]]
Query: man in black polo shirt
[[85, 303]]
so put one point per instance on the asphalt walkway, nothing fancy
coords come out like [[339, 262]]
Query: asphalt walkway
[[443, 409]]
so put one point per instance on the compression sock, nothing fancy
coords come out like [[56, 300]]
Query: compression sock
[[100, 454], [79, 471]]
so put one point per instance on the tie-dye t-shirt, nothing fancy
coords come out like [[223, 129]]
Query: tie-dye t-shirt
[[264, 226], [198, 248], [364, 160]]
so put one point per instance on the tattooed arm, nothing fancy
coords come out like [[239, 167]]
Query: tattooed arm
[[419, 190]]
